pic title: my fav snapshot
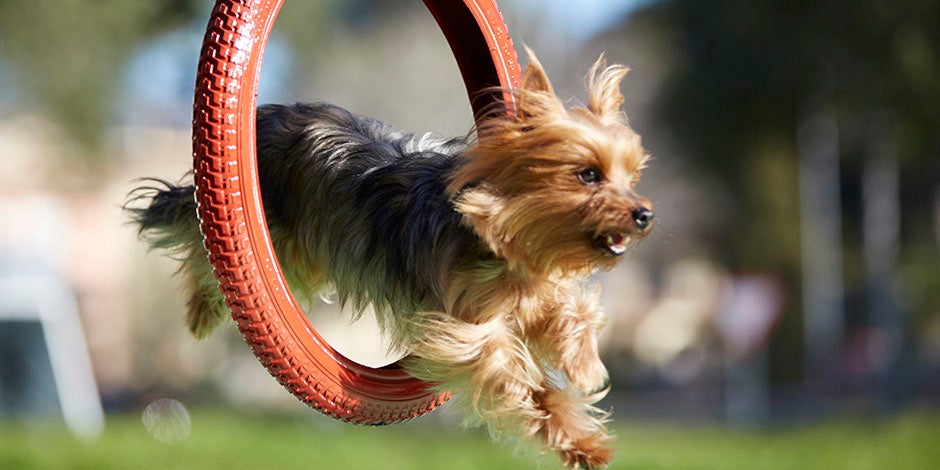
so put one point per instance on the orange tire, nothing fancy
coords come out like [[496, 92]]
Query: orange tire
[[232, 216]]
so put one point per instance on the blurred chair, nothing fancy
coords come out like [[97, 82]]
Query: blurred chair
[[45, 368], [40, 333]]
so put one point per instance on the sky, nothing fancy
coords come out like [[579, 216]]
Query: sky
[[584, 18]]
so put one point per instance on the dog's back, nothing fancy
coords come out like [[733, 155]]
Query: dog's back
[[352, 204], [362, 203]]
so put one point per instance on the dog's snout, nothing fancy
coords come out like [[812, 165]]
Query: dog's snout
[[642, 217]]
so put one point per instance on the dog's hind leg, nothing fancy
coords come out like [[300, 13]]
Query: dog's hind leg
[[205, 307], [165, 215]]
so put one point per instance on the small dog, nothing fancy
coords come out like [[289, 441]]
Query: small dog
[[475, 253]]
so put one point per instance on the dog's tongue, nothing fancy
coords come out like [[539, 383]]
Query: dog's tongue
[[617, 243]]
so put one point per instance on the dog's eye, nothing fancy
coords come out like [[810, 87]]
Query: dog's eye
[[589, 176]]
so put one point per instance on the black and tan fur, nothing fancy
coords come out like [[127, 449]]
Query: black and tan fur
[[476, 253]]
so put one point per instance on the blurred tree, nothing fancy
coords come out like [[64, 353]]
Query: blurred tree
[[68, 55], [745, 71], [743, 74]]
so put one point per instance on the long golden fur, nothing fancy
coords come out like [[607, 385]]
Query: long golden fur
[[477, 254], [510, 324]]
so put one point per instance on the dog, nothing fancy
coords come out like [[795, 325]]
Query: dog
[[476, 253]]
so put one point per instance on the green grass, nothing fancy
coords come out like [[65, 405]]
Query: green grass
[[235, 441], [909, 441]]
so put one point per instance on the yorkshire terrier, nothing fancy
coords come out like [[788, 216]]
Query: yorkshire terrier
[[476, 253]]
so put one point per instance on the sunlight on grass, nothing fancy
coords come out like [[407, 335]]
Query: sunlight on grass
[[235, 440]]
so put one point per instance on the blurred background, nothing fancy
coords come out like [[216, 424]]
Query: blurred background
[[787, 305]]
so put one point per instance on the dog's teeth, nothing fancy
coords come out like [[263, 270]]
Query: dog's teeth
[[617, 244]]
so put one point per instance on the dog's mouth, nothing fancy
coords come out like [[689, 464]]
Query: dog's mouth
[[614, 244]]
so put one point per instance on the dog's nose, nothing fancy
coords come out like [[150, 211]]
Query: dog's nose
[[642, 217]]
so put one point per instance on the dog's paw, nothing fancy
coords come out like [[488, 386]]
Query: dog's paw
[[589, 376], [590, 453]]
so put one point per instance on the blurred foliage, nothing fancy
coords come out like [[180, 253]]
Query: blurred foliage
[[744, 73], [748, 69], [68, 55]]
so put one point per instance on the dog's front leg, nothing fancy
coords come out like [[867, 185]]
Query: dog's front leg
[[574, 428], [497, 382], [567, 334]]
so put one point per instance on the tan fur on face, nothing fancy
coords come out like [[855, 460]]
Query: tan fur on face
[[520, 189]]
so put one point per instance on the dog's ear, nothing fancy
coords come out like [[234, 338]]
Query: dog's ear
[[536, 92], [534, 79], [604, 89], [481, 206]]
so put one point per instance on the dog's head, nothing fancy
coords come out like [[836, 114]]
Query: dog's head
[[553, 188]]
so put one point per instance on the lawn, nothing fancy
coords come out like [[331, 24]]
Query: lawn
[[233, 440]]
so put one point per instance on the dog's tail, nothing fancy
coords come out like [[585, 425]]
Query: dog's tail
[[165, 216]]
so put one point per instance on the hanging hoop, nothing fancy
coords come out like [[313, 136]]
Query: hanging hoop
[[232, 215]]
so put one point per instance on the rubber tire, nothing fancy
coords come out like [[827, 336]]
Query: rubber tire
[[232, 216]]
